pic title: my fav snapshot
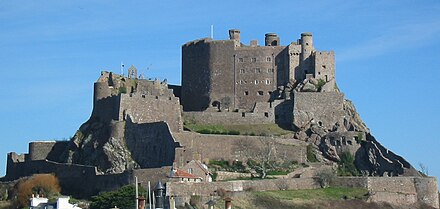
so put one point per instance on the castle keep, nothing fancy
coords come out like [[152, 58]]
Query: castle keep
[[233, 76]]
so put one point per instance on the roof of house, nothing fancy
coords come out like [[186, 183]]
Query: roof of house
[[178, 173], [198, 163]]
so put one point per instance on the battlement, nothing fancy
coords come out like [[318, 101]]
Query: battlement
[[116, 97]]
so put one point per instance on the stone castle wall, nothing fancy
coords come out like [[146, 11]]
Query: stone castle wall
[[206, 147], [151, 144], [396, 190], [83, 181], [229, 117], [151, 108], [324, 65], [321, 107], [184, 190], [256, 72], [279, 112], [41, 150], [196, 76]]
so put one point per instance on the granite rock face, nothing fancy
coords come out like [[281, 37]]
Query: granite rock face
[[100, 144], [335, 133]]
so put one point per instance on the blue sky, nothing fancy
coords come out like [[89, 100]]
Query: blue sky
[[387, 58]]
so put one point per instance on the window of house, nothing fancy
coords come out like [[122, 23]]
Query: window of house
[[268, 59], [246, 92], [241, 82], [324, 67], [242, 71], [253, 59], [190, 170], [269, 70], [257, 70], [240, 59], [256, 82], [266, 114], [260, 93]]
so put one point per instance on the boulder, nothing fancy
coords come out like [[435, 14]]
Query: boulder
[[309, 87]]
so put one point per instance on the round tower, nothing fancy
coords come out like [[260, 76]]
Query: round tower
[[101, 90], [271, 39], [306, 45]]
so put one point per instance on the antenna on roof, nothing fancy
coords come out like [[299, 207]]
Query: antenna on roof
[[122, 68], [212, 31]]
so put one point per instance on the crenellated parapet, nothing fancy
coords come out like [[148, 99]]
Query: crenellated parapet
[[117, 97]]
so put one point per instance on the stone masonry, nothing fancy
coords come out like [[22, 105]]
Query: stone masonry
[[233, 76]]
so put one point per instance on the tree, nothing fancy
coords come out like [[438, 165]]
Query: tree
[[325, 177], [424, 169], [261, 156], [346, 165], [46, 185], [122, 198]]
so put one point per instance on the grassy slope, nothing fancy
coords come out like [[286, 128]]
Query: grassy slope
[[255, 129], [335, 198]]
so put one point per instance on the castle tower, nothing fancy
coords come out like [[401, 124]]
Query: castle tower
[[271, 39], [234, 34], [306, 52], [306, 45]]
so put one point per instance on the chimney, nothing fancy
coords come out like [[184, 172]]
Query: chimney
[[271, 39], [254, 43], [234, 34], [141, 203], [228, 203]]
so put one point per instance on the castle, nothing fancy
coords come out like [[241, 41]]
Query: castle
[[137, 125], [234, 76]]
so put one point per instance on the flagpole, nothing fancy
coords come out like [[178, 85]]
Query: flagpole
[[149, 194], [137, 193]]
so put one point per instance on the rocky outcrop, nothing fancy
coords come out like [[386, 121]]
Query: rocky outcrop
[[100, 144], [347, 135], [373, 159]]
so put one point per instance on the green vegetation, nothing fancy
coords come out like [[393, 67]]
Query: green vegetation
[[311, 154], [122, 90], [277, 172], [250, 130], [310, 194], [223, 165], [325, 177], [320, 84], [335, 198], [346, 166], [122, 198]]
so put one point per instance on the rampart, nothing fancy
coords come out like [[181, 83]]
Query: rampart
[[324, 108], [85, 181], [150, 108], [396, 190], [41, 150], [227, 147], [151, 144], [184, 190], [278, 111]]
